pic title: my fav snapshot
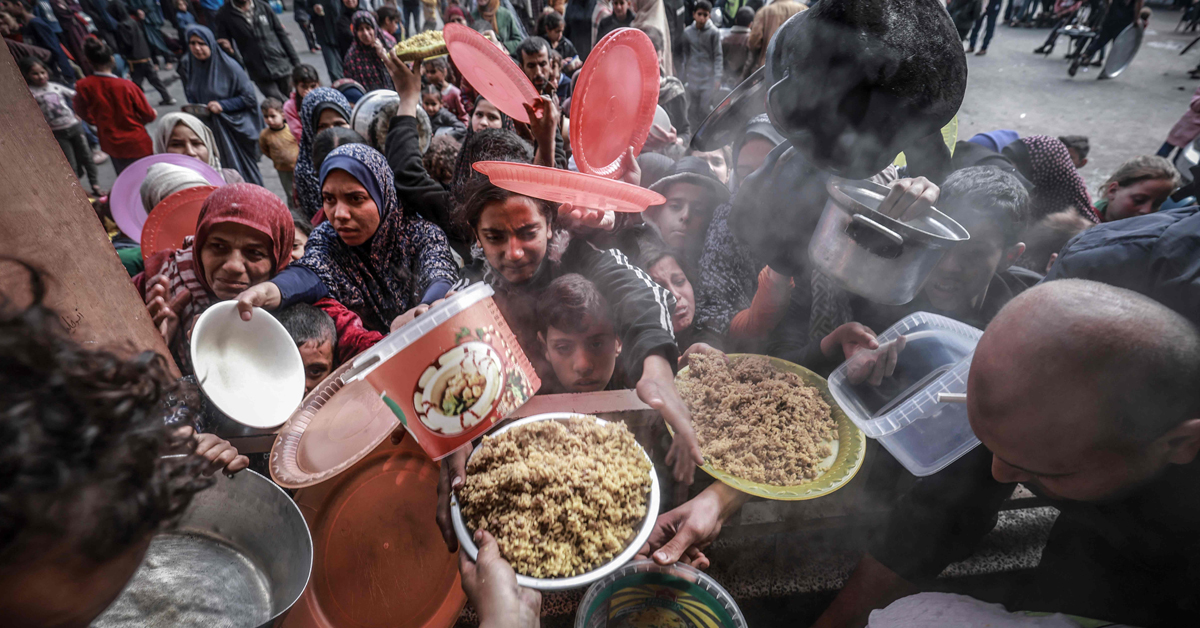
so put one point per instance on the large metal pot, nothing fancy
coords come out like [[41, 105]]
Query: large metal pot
[[873, 255], [240, 557], [374, 112]]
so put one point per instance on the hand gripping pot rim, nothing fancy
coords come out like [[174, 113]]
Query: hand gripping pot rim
[[451, 373]]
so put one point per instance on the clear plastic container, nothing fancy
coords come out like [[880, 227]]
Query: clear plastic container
[[903, 413], [644, 593]]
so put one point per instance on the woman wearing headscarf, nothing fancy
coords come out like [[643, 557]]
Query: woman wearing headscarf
[[243, 237], [362, 62], [1045, 161], [489, 15], [370, 255], [322, 108], [212, 78], [652, 13], [184, 134]]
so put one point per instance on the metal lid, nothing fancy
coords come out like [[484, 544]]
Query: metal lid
[[728, 119], [864, 197]]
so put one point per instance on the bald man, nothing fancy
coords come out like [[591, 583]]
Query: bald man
[[1087, 395]]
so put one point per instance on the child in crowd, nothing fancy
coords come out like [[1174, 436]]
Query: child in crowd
[[550, 27], [440, 159], [692, 193], [116, 107], [304, 79], [440, 117], [560, 81], [183, 15], [1077, 146], [38, 32], [303, 230], [717, 160], [55, 103], [1138, 187], [135, 48], [703, 62], [622, 17], [667, 271], [575, 328], [315, 336], [280, 146], [389, 22], [436, 71], [1045, 238]]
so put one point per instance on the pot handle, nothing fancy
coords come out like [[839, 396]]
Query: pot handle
[[896, 238]]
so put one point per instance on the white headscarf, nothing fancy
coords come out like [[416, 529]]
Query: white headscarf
[[163, 180], [167, 124]]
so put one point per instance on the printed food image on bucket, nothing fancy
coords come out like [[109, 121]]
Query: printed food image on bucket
[[453, 372]]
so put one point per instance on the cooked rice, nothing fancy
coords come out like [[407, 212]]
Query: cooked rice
[[560, 498], [757, 423]]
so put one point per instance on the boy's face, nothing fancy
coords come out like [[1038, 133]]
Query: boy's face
[[274, 119], [431, 103], [435, 75], [302, 89], [701, 18], [389, 25], [318, 362], [1076, 159], [620, 8], [959, 282], [583, 361], [683, 220]]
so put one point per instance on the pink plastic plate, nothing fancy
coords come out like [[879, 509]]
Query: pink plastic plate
[[173, 219], [614, 101], [126, 197], [564, 186], [491, 72]]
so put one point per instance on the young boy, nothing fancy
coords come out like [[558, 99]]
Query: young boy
[[316, 336], [622, 17], [439, 116], [435, 71], [132, 44], [550, 26], [575, 327], [116, 107], [389, 22], [278, 145], [1077, 146], [304, 80], [702, 62]]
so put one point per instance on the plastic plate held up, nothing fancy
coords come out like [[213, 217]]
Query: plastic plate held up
[[564, 186], [614, 101], [490, 71], [173, 219], [847, 458], [126, 197]]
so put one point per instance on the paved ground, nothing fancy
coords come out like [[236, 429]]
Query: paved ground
[[1013, 88]]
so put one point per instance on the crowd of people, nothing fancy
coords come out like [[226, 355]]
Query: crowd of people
[[1081, 389]]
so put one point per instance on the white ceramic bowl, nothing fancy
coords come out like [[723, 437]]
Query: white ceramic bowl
[[641, 534], [251, 369]]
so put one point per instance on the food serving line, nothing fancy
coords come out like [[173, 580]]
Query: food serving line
[[359, 546]]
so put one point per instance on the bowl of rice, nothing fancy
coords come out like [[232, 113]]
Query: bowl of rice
[[569, 497]]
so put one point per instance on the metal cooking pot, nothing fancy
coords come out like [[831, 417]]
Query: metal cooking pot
[[240, 556], [873, 255], [374, 112]]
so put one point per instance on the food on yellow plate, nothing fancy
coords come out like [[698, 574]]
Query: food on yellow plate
[[757, 423], [421, 46], [561, 498]]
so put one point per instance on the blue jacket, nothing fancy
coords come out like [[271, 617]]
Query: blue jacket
[[1155, 255]]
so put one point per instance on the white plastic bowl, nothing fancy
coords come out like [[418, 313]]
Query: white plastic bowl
[[251, 369]]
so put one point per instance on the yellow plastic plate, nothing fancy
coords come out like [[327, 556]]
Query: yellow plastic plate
[[851, 447]]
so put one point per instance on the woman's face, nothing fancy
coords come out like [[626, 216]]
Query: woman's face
[[349, 208], [365, 35], [184, 141], [330, 117], [298, 245], [486, 116], [667, 273], [234, 258], [199, 49], [1137, 199], [350, 4], [514, 237]]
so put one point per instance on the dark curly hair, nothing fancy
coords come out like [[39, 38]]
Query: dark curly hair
[[82, 439]]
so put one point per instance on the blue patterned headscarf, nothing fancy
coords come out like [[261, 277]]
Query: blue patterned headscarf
[[385, 276], [308, 188]]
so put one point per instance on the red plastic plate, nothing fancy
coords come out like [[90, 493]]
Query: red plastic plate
[[612, 107], [125, 200], [490, 71], [564, 186], [173, 219]]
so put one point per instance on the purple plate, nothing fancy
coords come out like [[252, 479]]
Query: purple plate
[[126, 197]]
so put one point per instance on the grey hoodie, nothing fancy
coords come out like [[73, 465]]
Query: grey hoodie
[[702, 62]]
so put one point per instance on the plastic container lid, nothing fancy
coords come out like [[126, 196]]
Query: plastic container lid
[[904, 413], [251, 369], [614, 101], [173, 219], [644, 593], [125, 200], [490, 71], [563, 186]]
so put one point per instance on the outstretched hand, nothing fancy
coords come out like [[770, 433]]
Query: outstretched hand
[[872, 365], [265, 295], [453, 474], [217, 451], [407, 81], [491, 586], [683, 533], [656, 389], [163, 311], [850, 338], [910, 199]]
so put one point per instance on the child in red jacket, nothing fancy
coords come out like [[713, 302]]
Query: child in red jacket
[[117, 108]]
